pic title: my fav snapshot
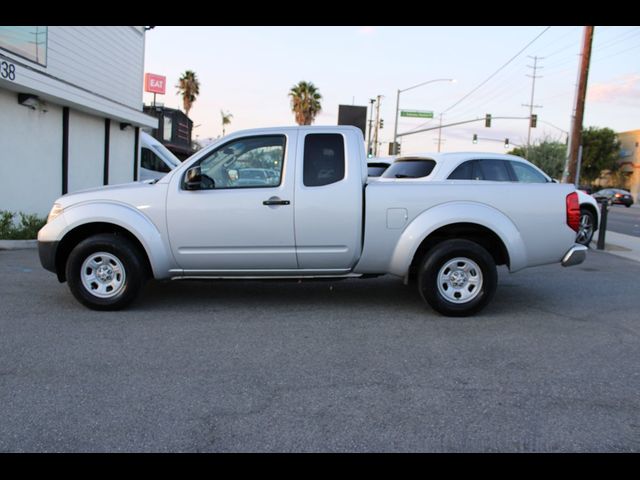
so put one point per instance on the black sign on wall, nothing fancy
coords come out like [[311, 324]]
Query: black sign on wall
[[353, 115]]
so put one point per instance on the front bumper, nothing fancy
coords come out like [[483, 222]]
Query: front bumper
[[47, 252], [574, 256]]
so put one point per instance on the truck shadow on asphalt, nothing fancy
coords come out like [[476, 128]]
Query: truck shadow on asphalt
[[305, 294], [386, 295]]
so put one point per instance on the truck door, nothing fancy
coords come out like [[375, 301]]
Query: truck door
[[329, 200], [237, 220]]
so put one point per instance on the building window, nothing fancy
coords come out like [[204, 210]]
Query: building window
[[167, 129], [27, 42]]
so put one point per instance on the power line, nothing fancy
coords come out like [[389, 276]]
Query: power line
[[554, 41], [506, 90], [497, 71], [493, 74], [531, 105], [620, 38], [607, 57], [572, 44]]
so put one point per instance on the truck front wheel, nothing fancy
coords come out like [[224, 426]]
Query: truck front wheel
[[457, 278], [105, 272]]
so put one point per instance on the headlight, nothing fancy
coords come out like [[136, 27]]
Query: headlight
[[55, 211]]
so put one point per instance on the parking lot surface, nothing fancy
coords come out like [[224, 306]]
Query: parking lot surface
[[552, 364]]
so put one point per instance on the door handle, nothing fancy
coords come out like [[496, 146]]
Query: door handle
[[276, 201]]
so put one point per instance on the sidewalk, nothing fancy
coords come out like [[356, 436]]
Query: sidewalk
[[626, 246], [17, 244]]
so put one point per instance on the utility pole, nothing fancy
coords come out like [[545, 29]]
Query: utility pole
[[375, 134], [395, 127], [531, 106], [575, 138], [369, 151], [440, 133]]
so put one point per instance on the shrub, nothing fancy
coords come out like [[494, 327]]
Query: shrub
[[26, 229]]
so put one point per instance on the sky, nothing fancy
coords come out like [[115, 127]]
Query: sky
[[248, 72]]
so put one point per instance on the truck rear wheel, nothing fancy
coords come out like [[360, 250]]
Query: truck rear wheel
[[457, 278], [105, 272]]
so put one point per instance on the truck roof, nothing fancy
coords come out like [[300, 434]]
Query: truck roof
[[288, 128], [453, 156]]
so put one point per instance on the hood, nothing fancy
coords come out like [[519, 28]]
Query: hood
[[122, 193]]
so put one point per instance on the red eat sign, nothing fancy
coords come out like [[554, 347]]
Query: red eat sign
[[154, 83]]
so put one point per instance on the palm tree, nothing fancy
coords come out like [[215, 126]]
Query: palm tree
[[226, 119], [189, 87], [305, 102]]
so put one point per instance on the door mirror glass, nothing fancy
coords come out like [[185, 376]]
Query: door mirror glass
[[193, 179]]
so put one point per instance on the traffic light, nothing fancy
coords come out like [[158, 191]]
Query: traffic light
[[381, 123], [487, 120], [475, 138], [533, 121], [397, 152], [506, 143]]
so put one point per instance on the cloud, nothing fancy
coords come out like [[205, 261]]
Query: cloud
[[621, 89], [366, 30]]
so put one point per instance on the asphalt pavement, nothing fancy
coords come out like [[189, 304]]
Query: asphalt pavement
[[621, 219], [551, 365]]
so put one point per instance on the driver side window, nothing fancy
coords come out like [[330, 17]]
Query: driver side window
[[249, 162]]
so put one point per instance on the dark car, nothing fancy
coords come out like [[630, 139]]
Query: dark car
[[615, 195]]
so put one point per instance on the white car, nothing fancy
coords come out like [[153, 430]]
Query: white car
[[488, 167], [155, 159], [377, 165]]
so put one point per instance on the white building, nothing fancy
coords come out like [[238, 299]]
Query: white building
[[70, 111]]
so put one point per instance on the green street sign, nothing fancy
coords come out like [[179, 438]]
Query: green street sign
[[416, 113]]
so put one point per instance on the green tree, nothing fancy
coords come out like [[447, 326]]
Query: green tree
[[189, 87], [547, 154], [226, 120], [305, 102], [600, 151]]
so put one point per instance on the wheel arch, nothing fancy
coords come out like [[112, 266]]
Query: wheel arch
[[84, 231], [476, 222], [90, 219], [474, 232], [594, 212]]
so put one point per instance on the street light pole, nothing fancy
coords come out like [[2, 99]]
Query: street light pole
[[440, 133], [369, 151], [395, 130], [375, 132], [394, 147]]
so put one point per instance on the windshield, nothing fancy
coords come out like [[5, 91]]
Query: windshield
[[166, 154]]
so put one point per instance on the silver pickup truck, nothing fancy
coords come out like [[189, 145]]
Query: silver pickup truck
[[294, 202]]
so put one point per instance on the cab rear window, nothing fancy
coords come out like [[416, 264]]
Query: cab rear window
[[410, 168]]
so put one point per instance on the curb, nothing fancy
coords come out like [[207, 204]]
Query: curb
[[621, 245], [18, 244]]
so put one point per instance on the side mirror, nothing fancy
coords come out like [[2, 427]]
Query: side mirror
[[193, 179]]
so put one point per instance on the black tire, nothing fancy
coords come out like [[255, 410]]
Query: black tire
[[128, 260], [585, 234], [437, 258]]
